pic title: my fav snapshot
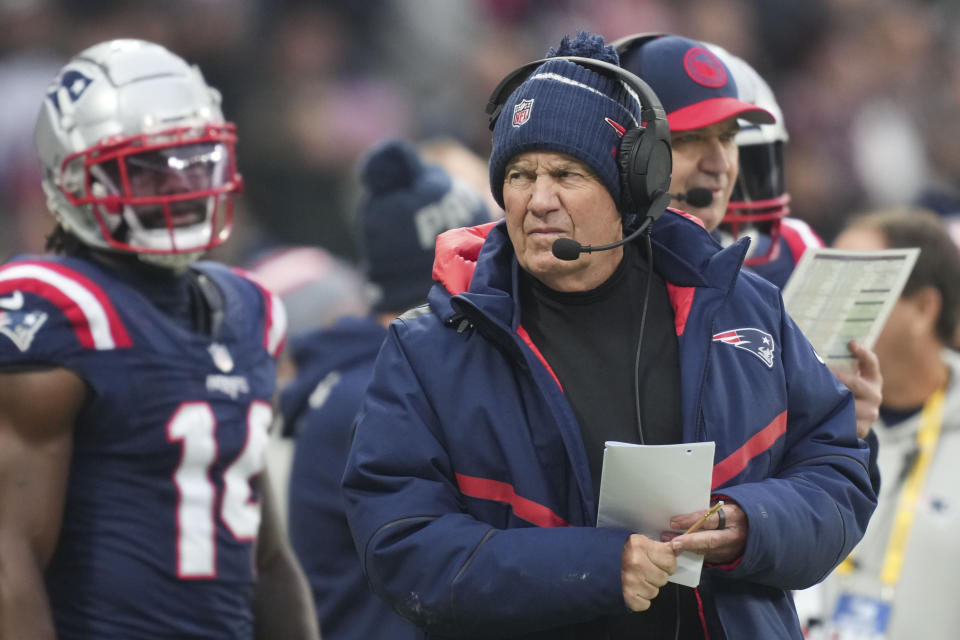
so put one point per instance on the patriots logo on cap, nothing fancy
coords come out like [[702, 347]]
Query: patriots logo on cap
[[521, 112], [704, 68], [21, 326], [759, 343]]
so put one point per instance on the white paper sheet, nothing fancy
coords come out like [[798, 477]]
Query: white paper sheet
[[643, 486], [835, 296]]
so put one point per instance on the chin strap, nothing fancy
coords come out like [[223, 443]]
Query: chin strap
[[208, 307]]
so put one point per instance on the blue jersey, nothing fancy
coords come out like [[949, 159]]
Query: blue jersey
[[777, 266], [161, 515]]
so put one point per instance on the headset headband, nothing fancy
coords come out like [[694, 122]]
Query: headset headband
[[650, 107], [631, 42], [643, 155]]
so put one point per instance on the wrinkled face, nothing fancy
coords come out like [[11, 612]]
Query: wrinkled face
[[549, 195], [707, 158]]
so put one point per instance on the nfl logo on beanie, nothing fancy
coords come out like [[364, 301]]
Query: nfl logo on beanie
[[405, 206], [521, 112], [570, 109]]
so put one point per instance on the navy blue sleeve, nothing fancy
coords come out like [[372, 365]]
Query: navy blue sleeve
[[807, 517]]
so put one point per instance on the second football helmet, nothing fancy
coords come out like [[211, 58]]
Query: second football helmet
[[136, 154], [759, 199]]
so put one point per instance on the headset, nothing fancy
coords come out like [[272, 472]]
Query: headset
[[644, 154], [628, 43]]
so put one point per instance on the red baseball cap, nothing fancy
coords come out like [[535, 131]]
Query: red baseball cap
[[695, 87]]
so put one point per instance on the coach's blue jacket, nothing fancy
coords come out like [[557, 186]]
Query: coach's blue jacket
[[468, 491]]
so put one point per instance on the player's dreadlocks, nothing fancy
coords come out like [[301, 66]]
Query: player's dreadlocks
[[63, 242]]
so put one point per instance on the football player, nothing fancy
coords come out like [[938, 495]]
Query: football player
[[136, 382], [759, 205]]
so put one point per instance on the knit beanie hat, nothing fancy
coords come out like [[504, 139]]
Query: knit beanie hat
[[570, 109], [405, 206]]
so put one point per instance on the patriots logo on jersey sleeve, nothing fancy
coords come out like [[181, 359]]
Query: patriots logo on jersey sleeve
[[21, 326], [83, 302], [759, 343], [13, 303]]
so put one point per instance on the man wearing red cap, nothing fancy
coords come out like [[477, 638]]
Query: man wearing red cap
[[701, 97]]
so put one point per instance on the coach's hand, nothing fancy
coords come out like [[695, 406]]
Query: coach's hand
[[718, 544], [645, 566]]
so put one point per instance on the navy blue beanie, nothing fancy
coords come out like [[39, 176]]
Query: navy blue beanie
[[570, 109], [405, 205]]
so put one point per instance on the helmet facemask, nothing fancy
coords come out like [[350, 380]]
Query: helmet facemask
[[759, 200], [158, 194]]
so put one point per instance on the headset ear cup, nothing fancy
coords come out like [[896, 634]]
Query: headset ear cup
[[633, 191], [646, 163], [658, 155]]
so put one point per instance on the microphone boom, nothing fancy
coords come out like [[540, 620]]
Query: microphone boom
[[570, 249], [696, 197]]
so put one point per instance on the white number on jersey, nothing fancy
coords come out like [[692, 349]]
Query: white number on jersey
[[195, 426]]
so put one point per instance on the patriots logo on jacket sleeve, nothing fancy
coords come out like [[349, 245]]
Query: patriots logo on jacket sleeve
[[759, 343]]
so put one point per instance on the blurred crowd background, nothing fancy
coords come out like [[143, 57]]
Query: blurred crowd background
[[870, 90]]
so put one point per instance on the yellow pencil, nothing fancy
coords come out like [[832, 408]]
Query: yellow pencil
[[699, 523]]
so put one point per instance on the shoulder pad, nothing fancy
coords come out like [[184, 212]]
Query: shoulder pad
[[275, 314]]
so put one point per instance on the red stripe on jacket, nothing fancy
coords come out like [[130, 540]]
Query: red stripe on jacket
[[524, 508], [681, 299], [529, 342], [739, 459]]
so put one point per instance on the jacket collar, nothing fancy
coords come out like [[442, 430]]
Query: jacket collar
[[687, 255], [477, 264]]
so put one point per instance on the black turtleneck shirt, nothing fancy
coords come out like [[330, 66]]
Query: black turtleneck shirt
[[590, 340]]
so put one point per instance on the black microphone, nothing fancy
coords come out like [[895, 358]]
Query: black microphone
[[570, 249], [697, 197]]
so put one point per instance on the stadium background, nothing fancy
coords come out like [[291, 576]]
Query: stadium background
[[870, 89]]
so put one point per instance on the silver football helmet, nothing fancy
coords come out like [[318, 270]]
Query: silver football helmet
[[760, 197], [136, 154]]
